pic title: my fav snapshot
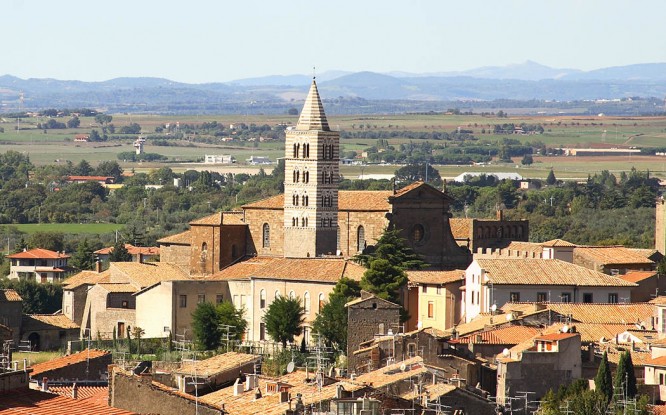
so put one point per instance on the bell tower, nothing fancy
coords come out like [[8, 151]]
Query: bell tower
[[312, 171]]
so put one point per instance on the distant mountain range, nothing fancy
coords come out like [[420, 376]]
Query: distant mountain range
[[346, 92]]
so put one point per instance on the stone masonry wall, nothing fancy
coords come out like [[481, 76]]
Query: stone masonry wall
[[364, 320]]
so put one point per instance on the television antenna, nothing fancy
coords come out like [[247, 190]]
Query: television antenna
[[18, 116]]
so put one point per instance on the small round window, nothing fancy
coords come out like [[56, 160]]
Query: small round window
[[417, 233]]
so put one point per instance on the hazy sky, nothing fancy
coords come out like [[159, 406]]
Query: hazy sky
[[218, 41]]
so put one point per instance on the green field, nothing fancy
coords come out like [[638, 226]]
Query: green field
[[57, 146], [69, 228]]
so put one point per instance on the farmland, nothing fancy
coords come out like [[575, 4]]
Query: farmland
[[57, 146]]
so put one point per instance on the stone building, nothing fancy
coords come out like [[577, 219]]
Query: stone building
[[11, 305], [367, 317]]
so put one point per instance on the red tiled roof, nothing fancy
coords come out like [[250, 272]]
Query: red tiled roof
[[556, 336], [636, 276], [657, 361], [95, 394], [183, 238], [435, 277], [33, 402], [66, 361], [502, 335], [8, 295], [348, 200], [89, 178], [46, 321], [38, 253], [86, 277], [133, 250], [295, 269]]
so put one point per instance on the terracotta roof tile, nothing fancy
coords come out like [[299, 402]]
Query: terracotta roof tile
[[348, 200], [65, 361], [221, 218], [294, 269], [145, 274], [623, 313], [33, 402], [85, 278], [524, 247], [133, 250], [461, 228], [183, 238], [217, 364], [435, 277], [556, 336], [637, 276], [409, 188], [9, 295], [606, 255], [98, 395], [37, 321], [38, 253], [501, 335], [657, 361], [526, 271], [118, 287], [558, 242]]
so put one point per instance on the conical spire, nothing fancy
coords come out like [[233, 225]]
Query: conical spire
[[313, 117]]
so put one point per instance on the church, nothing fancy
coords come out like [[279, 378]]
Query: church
[[313, 219]]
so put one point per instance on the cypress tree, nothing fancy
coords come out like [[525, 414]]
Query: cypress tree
[[632, 390], [603, 381]]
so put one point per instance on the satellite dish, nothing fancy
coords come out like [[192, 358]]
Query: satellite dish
[[565, 328], [506, 352], [493, 308], [419, 325], [509, 317], [403, 367], [290, 367]]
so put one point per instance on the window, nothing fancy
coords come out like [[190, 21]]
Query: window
[[424, 289], [296, 150], [306, 302], [201, 298], [321, 302], [292, 294], [262, 331], [262, 299], [542, 297], [306, 177], [277, 294], [125, 304], [121, 329], [431, 309], [612, 298], [219, 298], [266, 236], [514, 297], [565, 297], [381, 329], [360, 239], [439, 290], [587, 297], [411, 350], [183, 301], [236, 302]]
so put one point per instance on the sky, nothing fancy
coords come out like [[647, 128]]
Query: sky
[[198, 41]]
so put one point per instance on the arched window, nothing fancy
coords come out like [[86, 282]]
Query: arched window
[[360, 238], [296, 148], [306, 302], [320, 303], [266, 236], [204, 251], [306, 151], [277, 294], [306, 176], [292, 294], [262, 298], [306, 199]]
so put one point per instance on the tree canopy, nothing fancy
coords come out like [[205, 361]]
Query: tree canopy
[[284, 319], [603, 381], [208, 321], [393, 248], [331, 322], [120, 253]]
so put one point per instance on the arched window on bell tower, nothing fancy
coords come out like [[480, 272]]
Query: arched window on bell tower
[[297, 148], [360, 238]]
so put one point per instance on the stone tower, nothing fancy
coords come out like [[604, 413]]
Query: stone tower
[[312, 153], [660, 226]]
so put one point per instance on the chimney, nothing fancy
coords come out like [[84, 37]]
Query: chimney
[[500, 214], [45, 384], [284, 396], [98, 266], [238, 387], [139, 257], [250, 382], [75, 391]]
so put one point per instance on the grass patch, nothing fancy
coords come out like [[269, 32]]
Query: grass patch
[[70, 228], [34, 358]]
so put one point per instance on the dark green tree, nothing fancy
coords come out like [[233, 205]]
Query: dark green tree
[[384, 280], [83, 258], [73, 122], [53, 241], [413, 172], [551, 180], [284, 319], [603, 381], [208, 321], [206, 326], [393, 248], [120, 253], [331, 322], [625, 378], [527, 160]]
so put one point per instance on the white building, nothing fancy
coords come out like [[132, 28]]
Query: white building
[[219, 159], [39, 265], [496, 281]]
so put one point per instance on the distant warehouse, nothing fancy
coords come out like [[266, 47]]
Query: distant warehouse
[[219, 159], [463, 177]]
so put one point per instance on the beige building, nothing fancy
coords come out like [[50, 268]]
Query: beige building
[[40, 265], [434, 299]]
